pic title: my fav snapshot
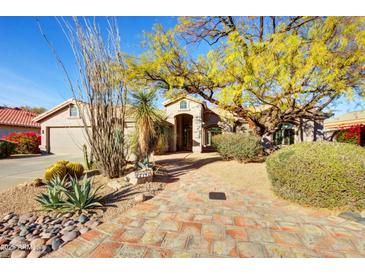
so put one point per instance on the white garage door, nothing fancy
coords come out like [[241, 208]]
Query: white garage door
[[67, 140]]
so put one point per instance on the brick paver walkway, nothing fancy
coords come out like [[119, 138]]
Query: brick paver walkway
[[183, 222]]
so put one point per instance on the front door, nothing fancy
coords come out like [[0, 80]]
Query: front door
[[184, 131]]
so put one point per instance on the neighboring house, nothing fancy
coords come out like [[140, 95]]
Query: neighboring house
[[193, 124], [17, 120], [62, 129], [346, 120]]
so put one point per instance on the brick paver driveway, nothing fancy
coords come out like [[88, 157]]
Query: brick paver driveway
[[183, 222]]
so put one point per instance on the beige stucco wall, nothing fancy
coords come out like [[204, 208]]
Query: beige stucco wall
[[74, 126], [6, 130], [60, 118], [196, 110]]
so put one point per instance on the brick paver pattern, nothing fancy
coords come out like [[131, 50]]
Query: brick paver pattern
[[183, 222]]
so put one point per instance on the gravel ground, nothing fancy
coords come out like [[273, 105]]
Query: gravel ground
[[27, 231], [21, 199]]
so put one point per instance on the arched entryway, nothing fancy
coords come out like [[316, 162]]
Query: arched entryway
[[184, 132]]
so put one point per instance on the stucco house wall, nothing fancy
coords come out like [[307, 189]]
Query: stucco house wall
[[195, 109]]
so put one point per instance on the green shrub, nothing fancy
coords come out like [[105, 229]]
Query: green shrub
[[75, 169], [6, 148], [320, 174], [239, 146]]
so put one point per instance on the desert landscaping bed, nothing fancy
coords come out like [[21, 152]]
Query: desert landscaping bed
[[27, 231]]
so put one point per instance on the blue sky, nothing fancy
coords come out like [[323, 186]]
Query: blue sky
[[29, 74]]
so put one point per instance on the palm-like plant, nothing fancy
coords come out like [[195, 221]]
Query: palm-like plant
[[149, 120]]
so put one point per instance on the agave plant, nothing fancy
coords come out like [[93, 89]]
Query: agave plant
[[80, 197], [145, 164], [53, 198], [57, 183]]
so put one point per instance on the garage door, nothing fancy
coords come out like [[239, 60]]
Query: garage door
[[67, 140]]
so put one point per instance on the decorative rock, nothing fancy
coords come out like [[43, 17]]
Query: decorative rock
[[8, 217], [34, 254], [18, 241], [114, 184], [140, 198], [25, 218], [36, 244], [5, 254], [46, 235], [67, 215], [19, 253], [36, 232], [24, 232], [69, 223], [83, 230], [67, 229], [40, 220], [56, 243], [36, 182], [83, 218], [69, 236], [348, 215], [30, 237], [3, 241]]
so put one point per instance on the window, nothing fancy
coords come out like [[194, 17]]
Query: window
[[209, 133], [284, 135], [183, 105], [74, 111]]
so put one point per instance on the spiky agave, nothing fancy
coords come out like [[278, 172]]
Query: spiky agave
[[81, 197]]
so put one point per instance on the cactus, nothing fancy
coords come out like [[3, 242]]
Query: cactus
[[57, 170], [75, 169], [88, 161], [62, 162]]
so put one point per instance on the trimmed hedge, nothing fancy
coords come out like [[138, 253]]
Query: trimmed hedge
[[239, 146], [320, 174], [6, 148]]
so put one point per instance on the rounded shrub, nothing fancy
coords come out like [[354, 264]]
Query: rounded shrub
[[239, 146], [6, 148], [75, 169], [54, 171], [319, 174]]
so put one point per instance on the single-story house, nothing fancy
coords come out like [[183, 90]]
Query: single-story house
[[192, 122], [17, 120]]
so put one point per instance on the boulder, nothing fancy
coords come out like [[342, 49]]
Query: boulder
[[19, 253], [140, 176]]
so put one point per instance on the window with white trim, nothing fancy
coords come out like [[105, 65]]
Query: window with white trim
[[183, 104], [74, 112]]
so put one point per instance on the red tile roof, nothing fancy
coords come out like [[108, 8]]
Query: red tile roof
[[17, 117]]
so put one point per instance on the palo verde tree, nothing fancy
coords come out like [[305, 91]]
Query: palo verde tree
[[266, 70]]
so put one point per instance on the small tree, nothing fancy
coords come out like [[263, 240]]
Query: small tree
[[102, 94], [150, 123]]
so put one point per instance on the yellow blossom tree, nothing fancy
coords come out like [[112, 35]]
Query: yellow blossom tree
[[266, 70]]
